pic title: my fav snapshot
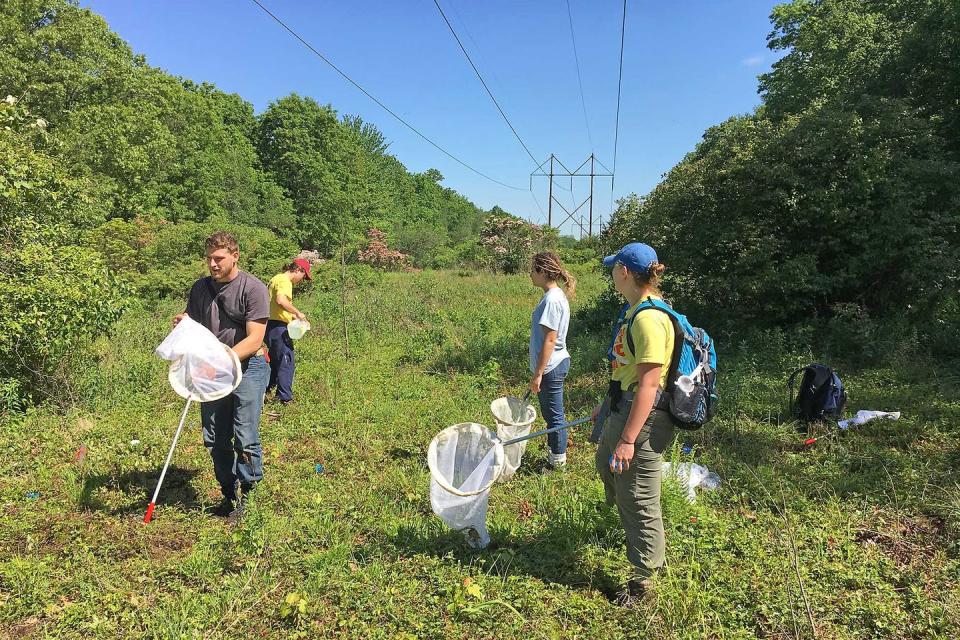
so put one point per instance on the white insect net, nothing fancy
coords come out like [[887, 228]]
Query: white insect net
[[464, 460], [201, 367]]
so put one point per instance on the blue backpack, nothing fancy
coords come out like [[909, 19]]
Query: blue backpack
[[821, 393], [694, 355]]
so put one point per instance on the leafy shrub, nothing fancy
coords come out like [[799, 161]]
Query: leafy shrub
[[753, 234], [162, 259], [53, 298], [578, 255], [425, 243]]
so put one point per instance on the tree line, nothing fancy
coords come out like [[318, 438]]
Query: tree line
[[837, 200], [113, 171]]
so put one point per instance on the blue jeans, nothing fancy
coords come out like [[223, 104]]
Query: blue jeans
[[551, 405], [281, 360], [231, 429]]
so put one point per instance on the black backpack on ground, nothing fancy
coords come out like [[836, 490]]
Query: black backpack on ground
[[820, 396]]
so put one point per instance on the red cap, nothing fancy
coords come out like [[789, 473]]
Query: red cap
[[305, 265]]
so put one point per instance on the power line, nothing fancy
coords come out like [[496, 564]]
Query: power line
[[381, 104], [537, 202], [465, 28], [583, 100], [482, 81], [616, 129]]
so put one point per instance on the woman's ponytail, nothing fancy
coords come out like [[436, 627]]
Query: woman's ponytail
[[569, 282], [549, 263]]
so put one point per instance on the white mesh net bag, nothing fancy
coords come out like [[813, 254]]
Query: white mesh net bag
[[202, 368], [464, 462], [513, 417]]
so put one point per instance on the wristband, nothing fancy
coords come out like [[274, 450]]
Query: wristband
[[630, 443]]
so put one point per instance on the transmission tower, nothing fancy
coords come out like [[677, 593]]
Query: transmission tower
[[552, 168]]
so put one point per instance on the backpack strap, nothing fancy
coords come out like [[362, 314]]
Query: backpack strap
[[621, 317], [678, 337], [791, 399]]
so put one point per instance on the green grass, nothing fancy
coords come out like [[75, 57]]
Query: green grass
[[858, 534]]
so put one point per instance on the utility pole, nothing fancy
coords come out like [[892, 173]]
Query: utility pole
[[591, 194], [550, 201], [552, 173]]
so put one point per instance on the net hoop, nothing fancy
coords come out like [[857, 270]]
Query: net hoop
[[455, 431]]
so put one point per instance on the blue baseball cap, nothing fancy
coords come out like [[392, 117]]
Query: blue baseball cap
[[636, 257]]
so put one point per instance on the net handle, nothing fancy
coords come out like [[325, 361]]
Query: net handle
[[544, 432]]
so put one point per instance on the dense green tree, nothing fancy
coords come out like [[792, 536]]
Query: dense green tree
[[371, 139], [842, 191], [323, 167], [58, 57], [54, 295]]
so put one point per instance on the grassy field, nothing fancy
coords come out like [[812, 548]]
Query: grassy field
[[857, 537]]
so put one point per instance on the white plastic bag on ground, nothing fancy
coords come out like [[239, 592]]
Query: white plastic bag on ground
[[202, 368], [514, 418], [691, 476], [865, 415], [464, 461]]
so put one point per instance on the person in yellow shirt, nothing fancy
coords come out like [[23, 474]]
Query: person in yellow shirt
[[282, 313], [635, 431]]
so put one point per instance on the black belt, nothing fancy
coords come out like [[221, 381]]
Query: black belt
[[616, 393]]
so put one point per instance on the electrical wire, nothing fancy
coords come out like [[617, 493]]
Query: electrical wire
[[576, 58], [482, 81], [616, 129], [379, 103]]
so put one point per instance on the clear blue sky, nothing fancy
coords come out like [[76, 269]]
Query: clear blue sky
[[687, 65]]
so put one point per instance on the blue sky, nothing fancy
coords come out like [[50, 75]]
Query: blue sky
[[687, 65]]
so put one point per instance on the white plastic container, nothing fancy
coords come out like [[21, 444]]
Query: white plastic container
[[297, 328]]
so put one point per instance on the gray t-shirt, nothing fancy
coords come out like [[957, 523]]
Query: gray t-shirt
[[242, 299], [553, 312]]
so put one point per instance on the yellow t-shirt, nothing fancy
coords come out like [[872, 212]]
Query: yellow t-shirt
[[652, 333], [280, 284]]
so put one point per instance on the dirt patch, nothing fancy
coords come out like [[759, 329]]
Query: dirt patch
[[525, 511], [293, 451], [115, 538], [24, 629], [906, 540]]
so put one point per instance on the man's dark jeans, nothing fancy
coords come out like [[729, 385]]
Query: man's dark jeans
[[281, 360]]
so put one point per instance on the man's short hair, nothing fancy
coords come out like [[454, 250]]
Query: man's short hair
[[222, 240]]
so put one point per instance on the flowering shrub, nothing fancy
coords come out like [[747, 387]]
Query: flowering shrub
[[313, 257], [510, 242], [378, 255]]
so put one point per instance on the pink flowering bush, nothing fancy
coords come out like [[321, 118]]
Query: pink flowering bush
[[378, 255]]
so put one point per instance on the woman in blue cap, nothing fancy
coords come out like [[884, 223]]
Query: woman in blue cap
[[636, 432]]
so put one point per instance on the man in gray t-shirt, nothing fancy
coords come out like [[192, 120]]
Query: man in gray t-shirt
[[226, 307], [234, 306]]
